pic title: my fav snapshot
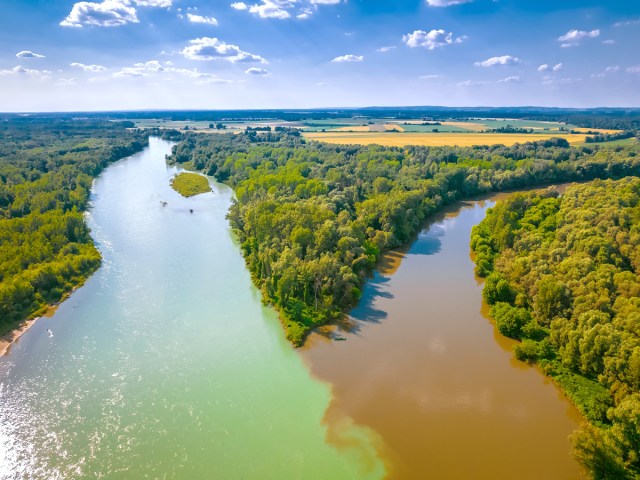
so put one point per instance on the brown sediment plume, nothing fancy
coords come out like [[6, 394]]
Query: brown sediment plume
[[424, 369]]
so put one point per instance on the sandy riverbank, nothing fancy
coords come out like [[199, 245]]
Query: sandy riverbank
[[7, 340]]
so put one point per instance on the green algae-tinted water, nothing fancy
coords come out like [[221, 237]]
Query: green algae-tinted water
[[165, 364]]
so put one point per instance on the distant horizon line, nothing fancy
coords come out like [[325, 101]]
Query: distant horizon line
[[329, 109]]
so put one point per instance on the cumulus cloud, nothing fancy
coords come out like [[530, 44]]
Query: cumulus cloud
[[502, 60], [512, 79], [385, 49], [446, 3], [257, 71], [207, 48], [573, 37], [89, 68], [20, 70], [28, 54], [608, 42], [348, 58], [549, 68], [430, 40], [283, 9], [272, 8], [166, 71], [200, 19], [154, 3], [109, 13]]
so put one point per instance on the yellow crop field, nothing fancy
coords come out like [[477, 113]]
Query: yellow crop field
[[353, 128], [393, 126], [434, 139], [601, 130]]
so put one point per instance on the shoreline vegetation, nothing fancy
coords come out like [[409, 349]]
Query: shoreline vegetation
[[189, 184], [47, 166], [314, 218], [563, 277]]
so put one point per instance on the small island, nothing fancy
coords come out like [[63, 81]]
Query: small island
[[190, 184]]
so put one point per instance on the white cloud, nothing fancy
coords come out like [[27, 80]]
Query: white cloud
[[154, 68], [430, 40], [546, 68], [446, 3], [348, 58], [634, 69], [20, 70], [608, 42], [475, 83], [502, 60], [547, 80], [256, 71], [627, 23], [429, 77], [385, 49], [154, 3], [89, 68], [573, 37], [28, 54], [273, 8], [109, 13], [200, 19], [283, 9], [207, 48], [606, 71]]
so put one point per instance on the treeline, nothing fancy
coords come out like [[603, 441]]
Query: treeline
[[511, 129], [46, 170], [563, 275], [608, 137], [313, 218]]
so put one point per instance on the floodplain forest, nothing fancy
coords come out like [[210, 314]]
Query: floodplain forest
[[46, 170], [563, 276]]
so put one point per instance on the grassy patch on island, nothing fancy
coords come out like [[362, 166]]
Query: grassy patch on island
[[190, 184]]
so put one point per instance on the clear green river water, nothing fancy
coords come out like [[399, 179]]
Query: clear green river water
[[165, 364]]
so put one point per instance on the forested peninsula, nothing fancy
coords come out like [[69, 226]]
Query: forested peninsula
[[47, 166], [563, 276], [313, 218]]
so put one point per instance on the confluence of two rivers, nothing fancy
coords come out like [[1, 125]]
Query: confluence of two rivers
[[165, 364]]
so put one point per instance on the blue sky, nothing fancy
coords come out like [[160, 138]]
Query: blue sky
[[60, 55]]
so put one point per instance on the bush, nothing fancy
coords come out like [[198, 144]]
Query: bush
[[509, 320]]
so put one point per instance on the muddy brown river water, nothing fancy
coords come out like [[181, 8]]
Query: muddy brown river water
[[423, 367]]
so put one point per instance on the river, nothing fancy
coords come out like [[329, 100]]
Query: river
[[423, 366], [165, 364]]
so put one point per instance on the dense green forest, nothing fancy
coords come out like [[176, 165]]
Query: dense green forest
[[563, 275], [46, 170], [313, 218]]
